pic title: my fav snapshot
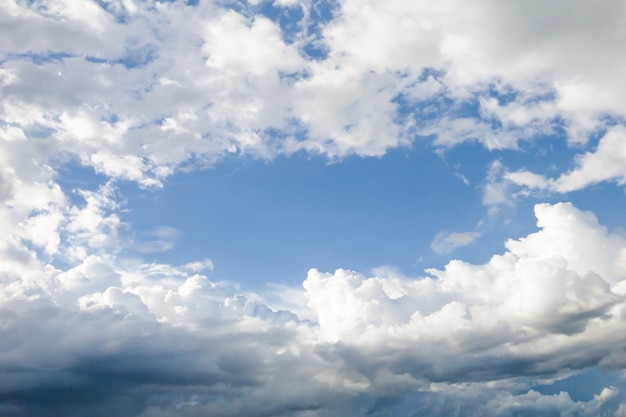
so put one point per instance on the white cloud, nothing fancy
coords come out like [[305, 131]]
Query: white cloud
[[138, 90], [496, 190], [265, 51], [446, 242], [171, 341], [217, 99], [128, 167], [606, 163], [527, 179], [540, 296]]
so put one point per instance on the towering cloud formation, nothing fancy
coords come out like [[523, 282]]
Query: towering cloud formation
[[166, 340]]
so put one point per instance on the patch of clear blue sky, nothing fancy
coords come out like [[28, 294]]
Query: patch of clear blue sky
[[37, 58], [584, 385], [134, 57], [271, 221]]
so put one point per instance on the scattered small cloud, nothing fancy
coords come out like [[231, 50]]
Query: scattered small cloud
[[159, 239], [446, 242]]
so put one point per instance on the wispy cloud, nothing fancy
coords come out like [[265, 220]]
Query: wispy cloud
[[159, 239], [446, 242]]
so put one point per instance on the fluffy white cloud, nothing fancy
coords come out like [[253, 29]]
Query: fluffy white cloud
[[169, 341], [137, 90], [606, 163]]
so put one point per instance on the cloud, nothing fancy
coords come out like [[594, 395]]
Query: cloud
[[447, 242], [159, 239], [114, 335], [501, 403], [137, 91], [527, 179], [112, 84], [605, 163]]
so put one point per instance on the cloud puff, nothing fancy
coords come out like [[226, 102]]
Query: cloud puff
[[150, 339]]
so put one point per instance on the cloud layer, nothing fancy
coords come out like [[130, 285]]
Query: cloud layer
[[137, 91], [162, 340]]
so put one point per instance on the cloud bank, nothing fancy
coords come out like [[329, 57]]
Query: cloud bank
[[152, 339], [137, 91]]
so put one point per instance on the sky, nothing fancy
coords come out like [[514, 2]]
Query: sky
[[311, 208]]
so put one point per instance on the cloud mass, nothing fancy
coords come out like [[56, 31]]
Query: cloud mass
[[107, 103], [167, 340]]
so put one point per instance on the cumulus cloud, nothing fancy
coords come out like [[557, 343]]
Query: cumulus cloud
[[606, 163], [155, 339], [139, 90]]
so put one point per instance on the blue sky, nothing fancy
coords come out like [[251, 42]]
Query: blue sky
[[270, 221], [347, 208], [291, 214]]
